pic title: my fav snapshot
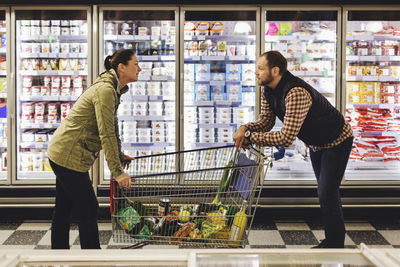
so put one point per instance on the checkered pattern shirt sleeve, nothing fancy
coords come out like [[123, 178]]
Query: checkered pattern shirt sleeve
[[298, 102], [266, 120]]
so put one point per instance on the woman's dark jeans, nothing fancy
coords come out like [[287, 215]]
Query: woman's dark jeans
[[74, 190], [329, 166]]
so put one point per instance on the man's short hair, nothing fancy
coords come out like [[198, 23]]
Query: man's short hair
[[275, 59]]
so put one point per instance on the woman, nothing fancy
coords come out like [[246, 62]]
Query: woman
[[90, 126]]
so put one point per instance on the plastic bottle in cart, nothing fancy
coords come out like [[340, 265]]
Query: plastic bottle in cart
[[238, 226]]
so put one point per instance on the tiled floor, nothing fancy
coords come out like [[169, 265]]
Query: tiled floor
[[269, 234]]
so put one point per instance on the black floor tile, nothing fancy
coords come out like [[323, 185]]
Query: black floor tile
[[350, 246], [396, 246], [267, 225], [9, 225], [24, 237], [298, 238], [367, 237], [315, 225], [385, 224], [115, 246]]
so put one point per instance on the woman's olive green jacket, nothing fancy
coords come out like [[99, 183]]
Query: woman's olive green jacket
[[90, 126]]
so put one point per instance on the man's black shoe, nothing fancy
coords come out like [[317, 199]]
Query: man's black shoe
[[324, 244]]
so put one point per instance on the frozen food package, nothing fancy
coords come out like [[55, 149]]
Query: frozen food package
[[202, 68], [233, 67], [285, 28], [233, 77], [272, 28], [218, 76]]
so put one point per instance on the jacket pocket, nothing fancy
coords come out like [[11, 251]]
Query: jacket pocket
[[91, 151]]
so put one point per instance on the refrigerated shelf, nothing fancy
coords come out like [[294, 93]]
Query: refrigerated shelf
[[48, 98], [61, 38], [53, 55], [52, 73]]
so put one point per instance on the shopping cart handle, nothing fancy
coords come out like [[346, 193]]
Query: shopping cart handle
[[256, 151]]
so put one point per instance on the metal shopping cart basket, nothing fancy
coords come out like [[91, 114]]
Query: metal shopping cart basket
[[198, 198]]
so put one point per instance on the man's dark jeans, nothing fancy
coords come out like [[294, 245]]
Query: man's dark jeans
[[74, 190], [329, 166]]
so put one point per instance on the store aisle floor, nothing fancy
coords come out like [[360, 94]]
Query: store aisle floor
[[269, 234]]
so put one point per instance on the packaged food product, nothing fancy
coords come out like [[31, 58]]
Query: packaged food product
[[142, 31], [272, 28], [27, 81], [35, 64], [26, 91], [44, 90], [285, 28], [35, 90], [216, 28], [202, 28], [65, 91], [221, 48], [231, 50], [55, 81], [45, 64]]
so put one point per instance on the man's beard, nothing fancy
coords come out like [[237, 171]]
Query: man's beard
[[267, 81]]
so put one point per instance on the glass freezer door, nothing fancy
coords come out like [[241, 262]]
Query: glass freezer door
[[51, 73], [146, 115], [219, 80], [3, 97], [373, 94], [308, 40]]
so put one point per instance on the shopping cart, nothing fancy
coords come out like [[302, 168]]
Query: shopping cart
[[193, 198]]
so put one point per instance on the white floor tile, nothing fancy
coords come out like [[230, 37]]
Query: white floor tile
[[320, 235], [265, 237], [35, 226], [299, 246], [359, 226], [17, 247], [294, 226], [4, 234], [105, 226], [46, 240], [392, 236]]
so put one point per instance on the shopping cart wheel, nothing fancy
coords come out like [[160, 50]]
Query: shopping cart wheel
[[137, 245]]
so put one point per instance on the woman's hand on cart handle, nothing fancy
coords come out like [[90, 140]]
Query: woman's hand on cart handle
[[124, 181], [126, 161], [239, 138]]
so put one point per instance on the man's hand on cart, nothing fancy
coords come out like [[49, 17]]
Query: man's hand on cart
[[124, 181], [126, 161], [239, 138]]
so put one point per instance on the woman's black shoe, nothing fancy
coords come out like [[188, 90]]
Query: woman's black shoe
[[324, 244]]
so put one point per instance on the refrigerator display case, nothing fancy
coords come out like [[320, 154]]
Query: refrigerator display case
[[308, 39], [3, 95], [52, 70], [147, 114], [372, 93], [219, 89]]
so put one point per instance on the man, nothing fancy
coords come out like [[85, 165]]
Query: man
[[305, 114]]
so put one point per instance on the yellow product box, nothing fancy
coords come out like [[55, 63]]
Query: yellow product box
[[395, 71], [354, 98], [353, 87], [377, 96], [368, 88], [367, 99]]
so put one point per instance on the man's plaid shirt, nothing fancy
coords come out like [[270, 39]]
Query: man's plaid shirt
[[298, 102]]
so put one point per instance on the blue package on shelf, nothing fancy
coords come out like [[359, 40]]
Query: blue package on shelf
[[217, 89], [218, 76], [233, 88], [202, 97], [202, 88], [3, 110], [243, 181], [233, 68], [202, 68], [218, 96]]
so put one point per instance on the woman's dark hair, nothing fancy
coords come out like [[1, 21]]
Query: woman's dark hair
[[275, 59], [119, 56]]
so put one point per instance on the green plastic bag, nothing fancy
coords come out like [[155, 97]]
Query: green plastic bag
[[128, 218]]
